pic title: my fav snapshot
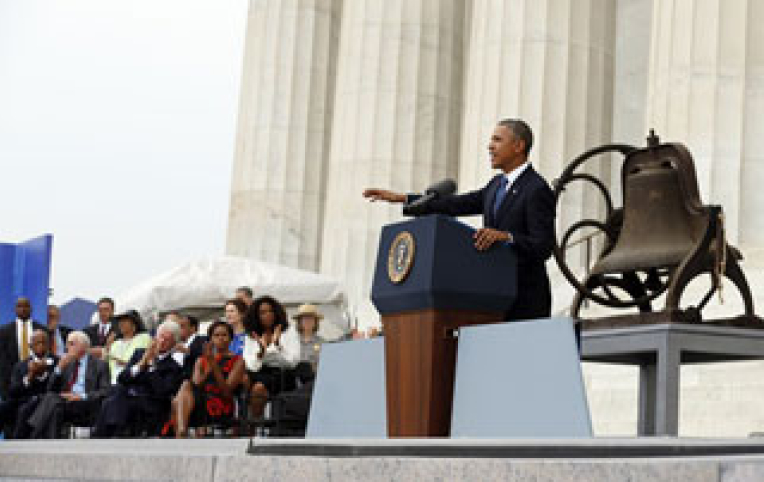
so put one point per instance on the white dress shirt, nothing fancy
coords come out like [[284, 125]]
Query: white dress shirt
[[513, 175], [19, 333]]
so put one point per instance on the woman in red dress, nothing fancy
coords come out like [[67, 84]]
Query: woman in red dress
[[218, 373]]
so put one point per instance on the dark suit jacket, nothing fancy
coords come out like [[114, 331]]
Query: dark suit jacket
[[92, 332], [19, 391], [527, 213], [158, 385], [97, 380], [9, 353], [194, 352]]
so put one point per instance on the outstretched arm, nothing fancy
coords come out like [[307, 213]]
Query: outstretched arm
[[376, 194]]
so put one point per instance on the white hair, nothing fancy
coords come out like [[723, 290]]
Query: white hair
[[79, 336], [171, 326]]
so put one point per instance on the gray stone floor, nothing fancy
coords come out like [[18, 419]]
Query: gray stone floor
[[218, 460]]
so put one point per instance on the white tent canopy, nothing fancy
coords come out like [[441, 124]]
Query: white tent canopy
[[204, 285]]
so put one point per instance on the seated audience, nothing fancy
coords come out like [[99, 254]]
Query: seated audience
[[308, 318], [271, 351], [235, 312], [141, 399], [29, 380], [132, 336], [76, 387], [191, 345], [209, 397]]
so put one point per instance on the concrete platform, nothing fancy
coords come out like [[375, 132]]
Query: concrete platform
[[590, 460]]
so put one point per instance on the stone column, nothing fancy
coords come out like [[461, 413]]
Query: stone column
[[697, 91], [277, 191], [396, 124], [550, 63]]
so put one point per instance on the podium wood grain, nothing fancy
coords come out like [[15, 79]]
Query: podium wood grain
[[420, 362]]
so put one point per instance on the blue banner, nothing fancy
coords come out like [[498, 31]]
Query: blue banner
[[25, 271]]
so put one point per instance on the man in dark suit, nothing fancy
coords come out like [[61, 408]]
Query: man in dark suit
[[29, 381], [76, 388], [191, 346], [518, 209], [106, 327], [16, 342], [145, 387]]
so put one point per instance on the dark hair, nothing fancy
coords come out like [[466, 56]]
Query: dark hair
[[241, 307], [106, 300], [246, 290], [521, 130], [135, 318], [193, 321], [216, 324], [252, 321]]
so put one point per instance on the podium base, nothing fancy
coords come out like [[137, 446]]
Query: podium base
[[420, 362]]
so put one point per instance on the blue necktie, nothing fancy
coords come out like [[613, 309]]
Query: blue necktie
[[501, 193]]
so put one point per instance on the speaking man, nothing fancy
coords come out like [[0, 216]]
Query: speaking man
[[518, 209]]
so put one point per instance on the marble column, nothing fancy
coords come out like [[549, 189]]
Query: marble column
[[697, 91], [396, 124], [278, 186], [550, 63]]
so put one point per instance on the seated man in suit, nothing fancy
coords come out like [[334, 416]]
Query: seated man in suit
[[15, 342], [191, 345], [76, 387], [518, 209], [29, 381], [144, 388]]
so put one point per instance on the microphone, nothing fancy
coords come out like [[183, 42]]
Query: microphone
[[446, 187]]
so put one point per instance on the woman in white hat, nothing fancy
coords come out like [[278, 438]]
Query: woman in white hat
[[308, 318]]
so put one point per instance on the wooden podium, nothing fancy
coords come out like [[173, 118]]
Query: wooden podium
[[429, 281]]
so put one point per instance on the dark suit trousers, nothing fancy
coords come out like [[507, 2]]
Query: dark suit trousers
[[121, 410], [8, 411], [53, 410]]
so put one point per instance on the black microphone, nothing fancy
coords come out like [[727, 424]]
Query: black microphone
[[446, 187]]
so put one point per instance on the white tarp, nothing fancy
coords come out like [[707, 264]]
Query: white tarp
[[207, 283]]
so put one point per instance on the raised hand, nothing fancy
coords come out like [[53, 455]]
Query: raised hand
[[35, 368], [208, 353], [66, 360], [149, 354], [486, 237], [376, 194]]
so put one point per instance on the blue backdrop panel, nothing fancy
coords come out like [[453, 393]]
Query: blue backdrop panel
[[519, 379], [77, 312], [25, 271], [349, 396]]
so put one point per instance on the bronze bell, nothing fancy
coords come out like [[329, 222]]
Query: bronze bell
[[659, 225]]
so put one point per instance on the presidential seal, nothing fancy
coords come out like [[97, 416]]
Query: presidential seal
[[401, 257]]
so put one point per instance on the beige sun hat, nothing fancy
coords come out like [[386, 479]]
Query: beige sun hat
[[307, 309]]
